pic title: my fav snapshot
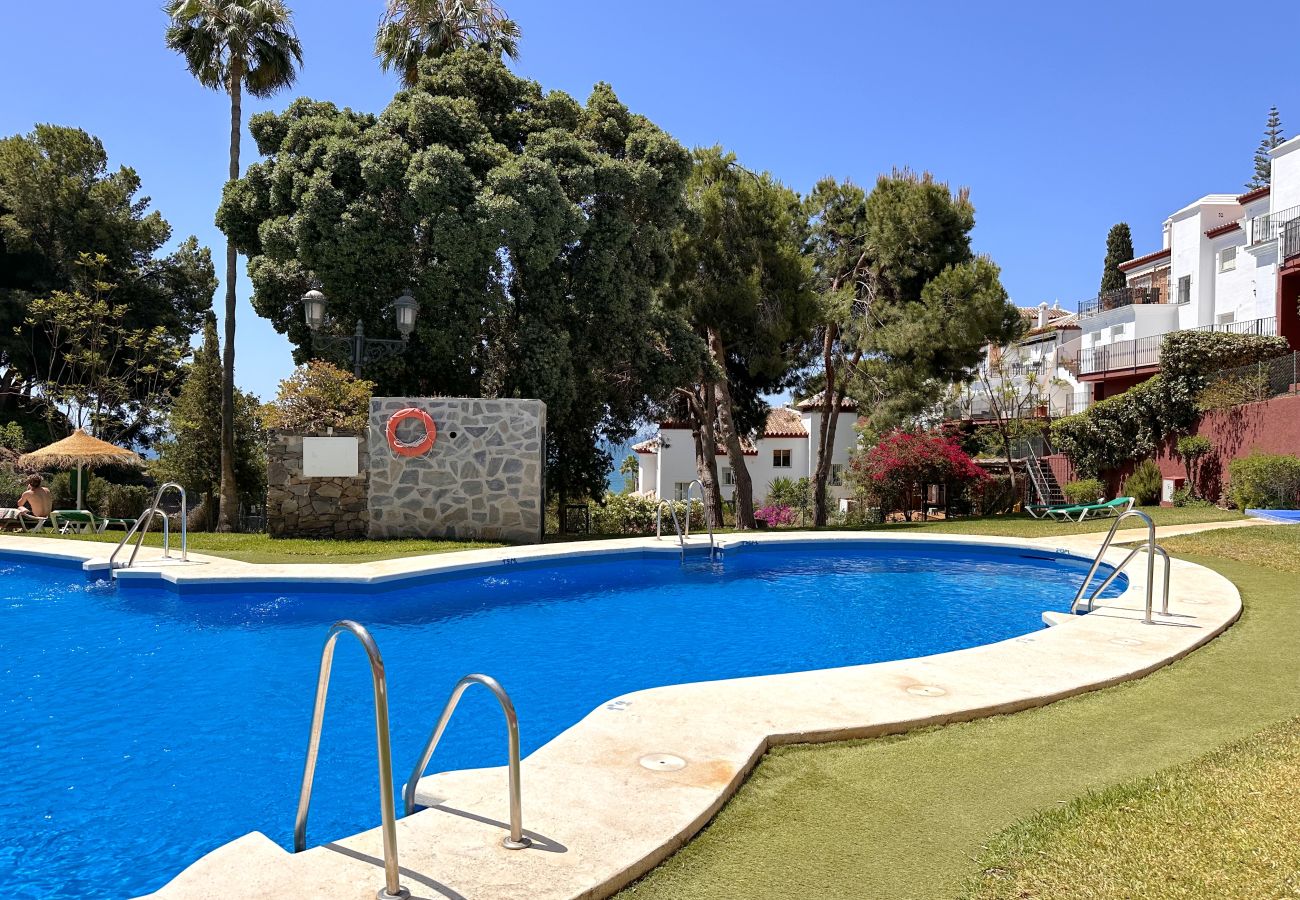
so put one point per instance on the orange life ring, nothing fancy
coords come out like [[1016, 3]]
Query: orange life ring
[[419, 447]]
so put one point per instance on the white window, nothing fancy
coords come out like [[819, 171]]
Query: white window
[[680, 488], [780, 459], [837, 474], [1227, 259], [1116, 332], [1185, 289], [728, 476]]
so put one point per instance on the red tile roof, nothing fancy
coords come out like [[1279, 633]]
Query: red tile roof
[[1220, 230], [1143, 260], [1252, 196]]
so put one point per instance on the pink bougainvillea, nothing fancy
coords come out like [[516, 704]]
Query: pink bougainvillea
[[775, 516], [904, 460]]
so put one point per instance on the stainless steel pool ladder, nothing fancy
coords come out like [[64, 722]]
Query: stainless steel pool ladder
[[392, 889], [683, 534], [141, 527], [1151, 548], [516, 839]]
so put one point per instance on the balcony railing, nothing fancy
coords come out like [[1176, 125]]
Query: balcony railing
[[1266, 327], [1273, 225], [1121, 355], [980, 408], [1118, 298], [1290, 239]]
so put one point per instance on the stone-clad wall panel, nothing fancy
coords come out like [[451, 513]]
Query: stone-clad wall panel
[[483, 478], [298, 506]]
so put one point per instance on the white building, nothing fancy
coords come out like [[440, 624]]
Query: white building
[[1027, 379], [1228, 262], [786, 447]]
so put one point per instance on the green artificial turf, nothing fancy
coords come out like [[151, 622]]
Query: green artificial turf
[[260, 548], [908, 816], [1226, 825]]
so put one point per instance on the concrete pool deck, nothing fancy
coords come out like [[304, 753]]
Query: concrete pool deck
[[619, 791]]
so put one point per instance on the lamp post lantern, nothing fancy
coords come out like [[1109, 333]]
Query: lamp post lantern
[[363, 350]]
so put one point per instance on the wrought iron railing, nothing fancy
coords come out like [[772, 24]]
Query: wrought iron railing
[[1290, 239], [1118, 298], [1266, 228], [1265, 327], [1121, 355]]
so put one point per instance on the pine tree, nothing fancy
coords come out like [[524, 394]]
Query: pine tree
[[1272, 137], [1119, 249], [192, 454]]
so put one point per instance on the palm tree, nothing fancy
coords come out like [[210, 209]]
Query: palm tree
[[414, 29], [233, 46]]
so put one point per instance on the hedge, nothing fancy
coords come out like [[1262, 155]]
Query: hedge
[[1132, 425]]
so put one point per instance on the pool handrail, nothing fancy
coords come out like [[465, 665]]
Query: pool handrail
[[516, 839], [708, 517], [1152, 549], [392, 889], [659, 521], [142, 524]]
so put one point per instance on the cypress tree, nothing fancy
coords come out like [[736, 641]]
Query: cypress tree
[[1272, 137], [1119, 249]]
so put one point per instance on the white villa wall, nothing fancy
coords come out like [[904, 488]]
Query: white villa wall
[[1286, 176], [1128, 323], [674, 463], [1247, 291]]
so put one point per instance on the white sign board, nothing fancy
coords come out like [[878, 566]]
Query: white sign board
[[330, 457]]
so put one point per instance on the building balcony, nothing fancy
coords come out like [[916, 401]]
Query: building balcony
[[1266, 327], [1290, 240], [1121, 356], [1275, 225], [1119, 298]]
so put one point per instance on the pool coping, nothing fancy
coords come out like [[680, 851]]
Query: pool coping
[[599, 818]]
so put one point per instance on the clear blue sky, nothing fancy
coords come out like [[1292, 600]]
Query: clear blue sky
[[1062, 119]]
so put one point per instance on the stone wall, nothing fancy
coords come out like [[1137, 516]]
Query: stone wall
[[482, 479], [297, 506]]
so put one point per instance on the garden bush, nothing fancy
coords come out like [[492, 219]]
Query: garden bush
[[776, 516], [63, 491], [12, 485], [1085, 490], [993, 496], [889, 474], [1264, 481], [635, 514], [1193, 449], [1183, 497], [794, 494], [123, 501], [12, 437], [1132, 425], [1144, 484]]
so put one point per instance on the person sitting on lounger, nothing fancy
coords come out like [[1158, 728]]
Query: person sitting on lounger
[[36, 498]]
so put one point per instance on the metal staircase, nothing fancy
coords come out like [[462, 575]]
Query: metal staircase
[[1046, 487]]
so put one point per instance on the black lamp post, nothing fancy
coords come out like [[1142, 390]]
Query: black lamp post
[[364, 350]]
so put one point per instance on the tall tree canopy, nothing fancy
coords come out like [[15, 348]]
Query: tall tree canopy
[[533, 231], [1119, 249], [61, 206], [413, 30], [234, 46], [744, 286], [1263, 162], [907, 305]]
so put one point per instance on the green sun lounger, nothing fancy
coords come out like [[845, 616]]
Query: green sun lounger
[[1081, 511], [80, 521]]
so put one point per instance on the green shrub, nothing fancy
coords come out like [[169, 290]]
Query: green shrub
[[12, 485], [634, 514], [1131, 425], [1145, 483], [1183, 497], [1226, 391], [1193, 449], [12, 437], [63, 491], [123, 501], [995, 496], [791, 493], [1085, 490], [1264, 481]]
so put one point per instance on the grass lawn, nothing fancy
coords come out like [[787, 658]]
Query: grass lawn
[[259, 548], [1226, 825], [911, 816]]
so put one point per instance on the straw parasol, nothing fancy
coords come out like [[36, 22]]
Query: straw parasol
[[80, 449]]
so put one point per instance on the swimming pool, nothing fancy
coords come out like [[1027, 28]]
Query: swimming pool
[[144, 726]]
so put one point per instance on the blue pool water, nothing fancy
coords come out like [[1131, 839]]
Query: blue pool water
[[142, 727]]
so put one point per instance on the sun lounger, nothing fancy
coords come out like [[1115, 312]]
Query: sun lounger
[[124, 524], [1082, 511], [75, 521], [20, 520]]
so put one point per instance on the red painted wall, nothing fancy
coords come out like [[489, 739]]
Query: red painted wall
[[1270, 426]]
